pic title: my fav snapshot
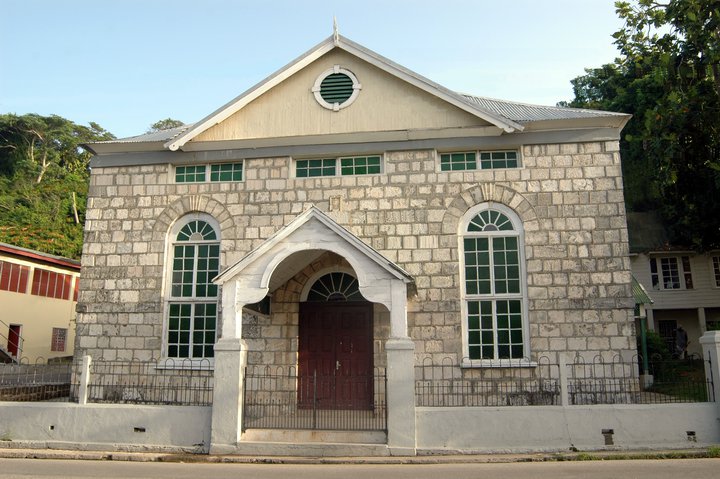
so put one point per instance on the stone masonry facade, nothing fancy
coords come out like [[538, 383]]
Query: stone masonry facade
[[569, 197]]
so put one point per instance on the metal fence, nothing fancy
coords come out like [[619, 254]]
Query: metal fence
[[35, 382], [619, 381], [446, 384], [578, 382], [168, 382], [280, 398]]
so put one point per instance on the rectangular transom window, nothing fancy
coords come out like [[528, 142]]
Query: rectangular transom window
[[360, 165], [468, 160], [226, 172], [343, 166], [190, 174], [315, 168], [217, 172]]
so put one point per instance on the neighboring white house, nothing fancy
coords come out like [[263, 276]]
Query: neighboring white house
[[38, 294], [684, 285]]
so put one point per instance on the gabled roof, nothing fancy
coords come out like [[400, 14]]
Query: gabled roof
[[340, 42], [314, 213]]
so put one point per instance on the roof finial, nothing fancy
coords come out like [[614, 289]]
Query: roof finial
[[336, 35]]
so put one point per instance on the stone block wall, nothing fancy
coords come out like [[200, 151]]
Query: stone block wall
[[569, 197]]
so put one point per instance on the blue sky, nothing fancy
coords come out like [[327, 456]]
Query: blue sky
[[128, 63]]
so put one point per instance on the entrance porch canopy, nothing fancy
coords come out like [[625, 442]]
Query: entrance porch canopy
[[277, 260]]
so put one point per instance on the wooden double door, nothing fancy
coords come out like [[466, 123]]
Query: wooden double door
[[335, 363]]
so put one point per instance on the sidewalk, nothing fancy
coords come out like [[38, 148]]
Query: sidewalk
[[92, 455]]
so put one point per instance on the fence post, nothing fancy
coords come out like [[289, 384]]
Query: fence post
[[562, 365], [84, 379], [710, 342]]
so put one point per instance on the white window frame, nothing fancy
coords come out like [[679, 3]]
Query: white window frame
[[169, 362], [715, 270], [522, 296], [663, 281]]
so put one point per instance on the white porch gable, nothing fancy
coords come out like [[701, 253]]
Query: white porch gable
[[282, 255]]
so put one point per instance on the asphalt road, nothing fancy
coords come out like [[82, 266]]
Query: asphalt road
[[655, 469]]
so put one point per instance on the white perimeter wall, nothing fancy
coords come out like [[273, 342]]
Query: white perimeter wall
[[106, 426], [557, 428], [442, 430]]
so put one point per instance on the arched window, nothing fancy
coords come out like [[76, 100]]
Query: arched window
[[494, 285], [337, 286], [192, 302]]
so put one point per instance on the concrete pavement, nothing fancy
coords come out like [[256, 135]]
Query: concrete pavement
[[9, 450]]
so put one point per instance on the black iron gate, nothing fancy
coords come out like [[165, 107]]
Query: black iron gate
[[278, 398]]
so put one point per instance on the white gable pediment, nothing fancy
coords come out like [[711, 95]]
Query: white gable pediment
[[392, 98], [313, 231]]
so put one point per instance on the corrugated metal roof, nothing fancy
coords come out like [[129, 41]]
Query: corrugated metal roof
[[155, 136], [639, 293], [525, 112], [39, 256]]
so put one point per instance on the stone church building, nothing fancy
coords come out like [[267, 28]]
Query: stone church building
[[346, 220]]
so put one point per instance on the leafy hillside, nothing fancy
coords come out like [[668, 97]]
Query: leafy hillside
[[44, 181]]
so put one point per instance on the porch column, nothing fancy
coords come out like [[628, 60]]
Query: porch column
[[229, 375], [400, 394], [702, 321], [710, 342], [649, 314]]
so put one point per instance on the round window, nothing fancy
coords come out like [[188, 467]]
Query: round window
[[336, 88]]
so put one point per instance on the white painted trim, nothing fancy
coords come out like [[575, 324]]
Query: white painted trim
[[316, 89], [312, 212]]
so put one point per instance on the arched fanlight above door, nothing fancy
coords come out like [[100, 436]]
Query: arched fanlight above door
[[337, 286]]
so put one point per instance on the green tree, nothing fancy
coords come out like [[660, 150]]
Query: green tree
[[44, 180], [668, 77], [165, 124]]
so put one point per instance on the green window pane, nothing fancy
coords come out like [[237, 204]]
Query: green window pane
[[474, 337], [475, 352], [486, 322], [517, 352], [503, 351], [487, 352], [498, 159]]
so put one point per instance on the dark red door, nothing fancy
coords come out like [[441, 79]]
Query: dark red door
[[14, 339], [335, 355]]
